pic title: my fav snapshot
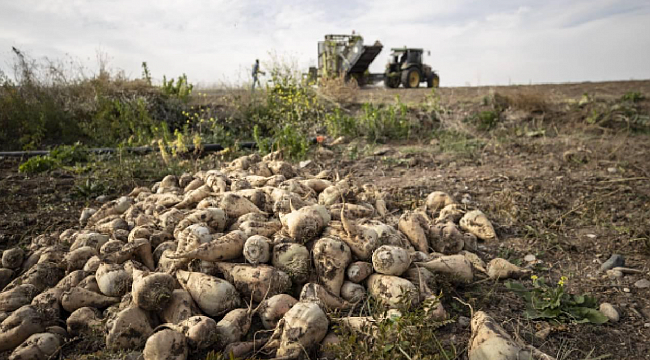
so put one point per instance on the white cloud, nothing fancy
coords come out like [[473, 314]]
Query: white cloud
[[493, 42]]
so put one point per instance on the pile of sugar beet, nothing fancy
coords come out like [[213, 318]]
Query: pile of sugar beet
[[196, 263]]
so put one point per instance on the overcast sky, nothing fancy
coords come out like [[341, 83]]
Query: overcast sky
[[493, 42]]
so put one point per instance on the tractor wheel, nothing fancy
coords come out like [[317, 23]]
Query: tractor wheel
[[435, 81], [391, 82], [411, 78]]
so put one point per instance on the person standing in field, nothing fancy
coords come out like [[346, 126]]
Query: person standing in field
[[256, 72]]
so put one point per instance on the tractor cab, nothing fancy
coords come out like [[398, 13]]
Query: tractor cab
[[405, 67]]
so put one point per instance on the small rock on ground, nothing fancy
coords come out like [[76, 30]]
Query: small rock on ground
[[642, 284], [615, 260], [381, 151], [530, 258], [463, 321]]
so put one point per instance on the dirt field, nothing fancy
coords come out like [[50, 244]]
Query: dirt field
[[605, 90], [570, 195]]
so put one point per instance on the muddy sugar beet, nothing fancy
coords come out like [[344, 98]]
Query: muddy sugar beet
[[203, 261]]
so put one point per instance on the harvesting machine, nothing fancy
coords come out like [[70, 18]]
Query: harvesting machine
[[346, 55]]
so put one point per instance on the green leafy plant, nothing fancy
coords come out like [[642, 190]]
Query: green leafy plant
[[622, 115], [70, 154], [633, 96], [340, 124], [294, 143], [38, 164], [545, 301], [378, 123], [485, 120], [263, 143], [181, 89], [90, 188], [64, 155]]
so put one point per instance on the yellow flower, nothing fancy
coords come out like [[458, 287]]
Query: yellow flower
[[534, 277], [563, 279]]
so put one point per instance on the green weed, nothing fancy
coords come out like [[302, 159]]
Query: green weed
[[65, 155], [379, 123], [181, 89], [340, 124], [625, 115], [70, 154], [633, 96], [457, 142], [484, 120], [288, 139], [38, 164], [90, 188], [545, 301]]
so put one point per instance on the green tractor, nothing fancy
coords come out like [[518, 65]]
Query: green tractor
[[405, 67]]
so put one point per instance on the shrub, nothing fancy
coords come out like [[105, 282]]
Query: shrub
[[485, 120], [121, 120], [48, 104], [58, 157], [340, 124], [292, 142], [287, 115], [70, 154], [182, 89], [378, 123], [38, 164]]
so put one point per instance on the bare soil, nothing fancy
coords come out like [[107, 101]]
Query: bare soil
[[571, 216], [571, 196], [605, 90]]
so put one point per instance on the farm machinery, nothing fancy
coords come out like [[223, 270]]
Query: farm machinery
[[347, 56], [405, 67]]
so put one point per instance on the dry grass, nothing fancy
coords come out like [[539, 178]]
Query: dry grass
[[528, 99], [338, 90], [531, 100]]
